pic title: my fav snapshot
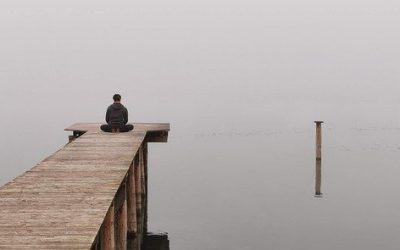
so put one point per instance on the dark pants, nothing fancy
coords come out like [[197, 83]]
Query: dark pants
[[123, 128]]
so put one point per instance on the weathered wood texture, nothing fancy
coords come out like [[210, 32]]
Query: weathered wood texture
[[139, 197], [146, 197], [155, 132], [62, 202], [106, 238], [318, 140], [120, 220], [94, 126], [131, 199]]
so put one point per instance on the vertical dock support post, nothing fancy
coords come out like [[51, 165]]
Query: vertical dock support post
[[143, 193], [120, 218], [131, 205], [145, 168], [318, 158], [74, 135], [139, 200], [107, 231]]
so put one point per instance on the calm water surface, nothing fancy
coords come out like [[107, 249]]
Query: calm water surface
[[251, 186], [255, 191]]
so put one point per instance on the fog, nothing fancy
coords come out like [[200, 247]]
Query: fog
[[241, 83]]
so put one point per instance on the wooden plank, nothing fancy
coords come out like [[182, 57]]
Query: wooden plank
[[95, 126], [62, 202], [156, 132]]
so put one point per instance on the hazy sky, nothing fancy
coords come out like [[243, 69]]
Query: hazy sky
[[258, 43], [208, 55]]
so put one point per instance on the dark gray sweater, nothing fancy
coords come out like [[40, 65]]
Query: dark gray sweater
[[117, 114]]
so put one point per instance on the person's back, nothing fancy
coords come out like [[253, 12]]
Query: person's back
[[116, 117]]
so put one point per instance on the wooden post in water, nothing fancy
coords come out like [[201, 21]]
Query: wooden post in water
[[107, 231], [120, 218], [318, 158]]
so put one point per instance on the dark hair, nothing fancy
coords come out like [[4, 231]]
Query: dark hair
[[117, 97]]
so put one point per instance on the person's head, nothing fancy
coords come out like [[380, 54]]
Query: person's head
[[117, 98]]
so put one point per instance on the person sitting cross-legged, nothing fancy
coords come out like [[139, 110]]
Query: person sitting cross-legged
[[116, 117]]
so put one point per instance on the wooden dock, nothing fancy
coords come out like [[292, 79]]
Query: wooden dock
[[91, 194]]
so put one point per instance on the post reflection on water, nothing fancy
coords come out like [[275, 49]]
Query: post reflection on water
[[318, 158], [318, 192], [154, 241]]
